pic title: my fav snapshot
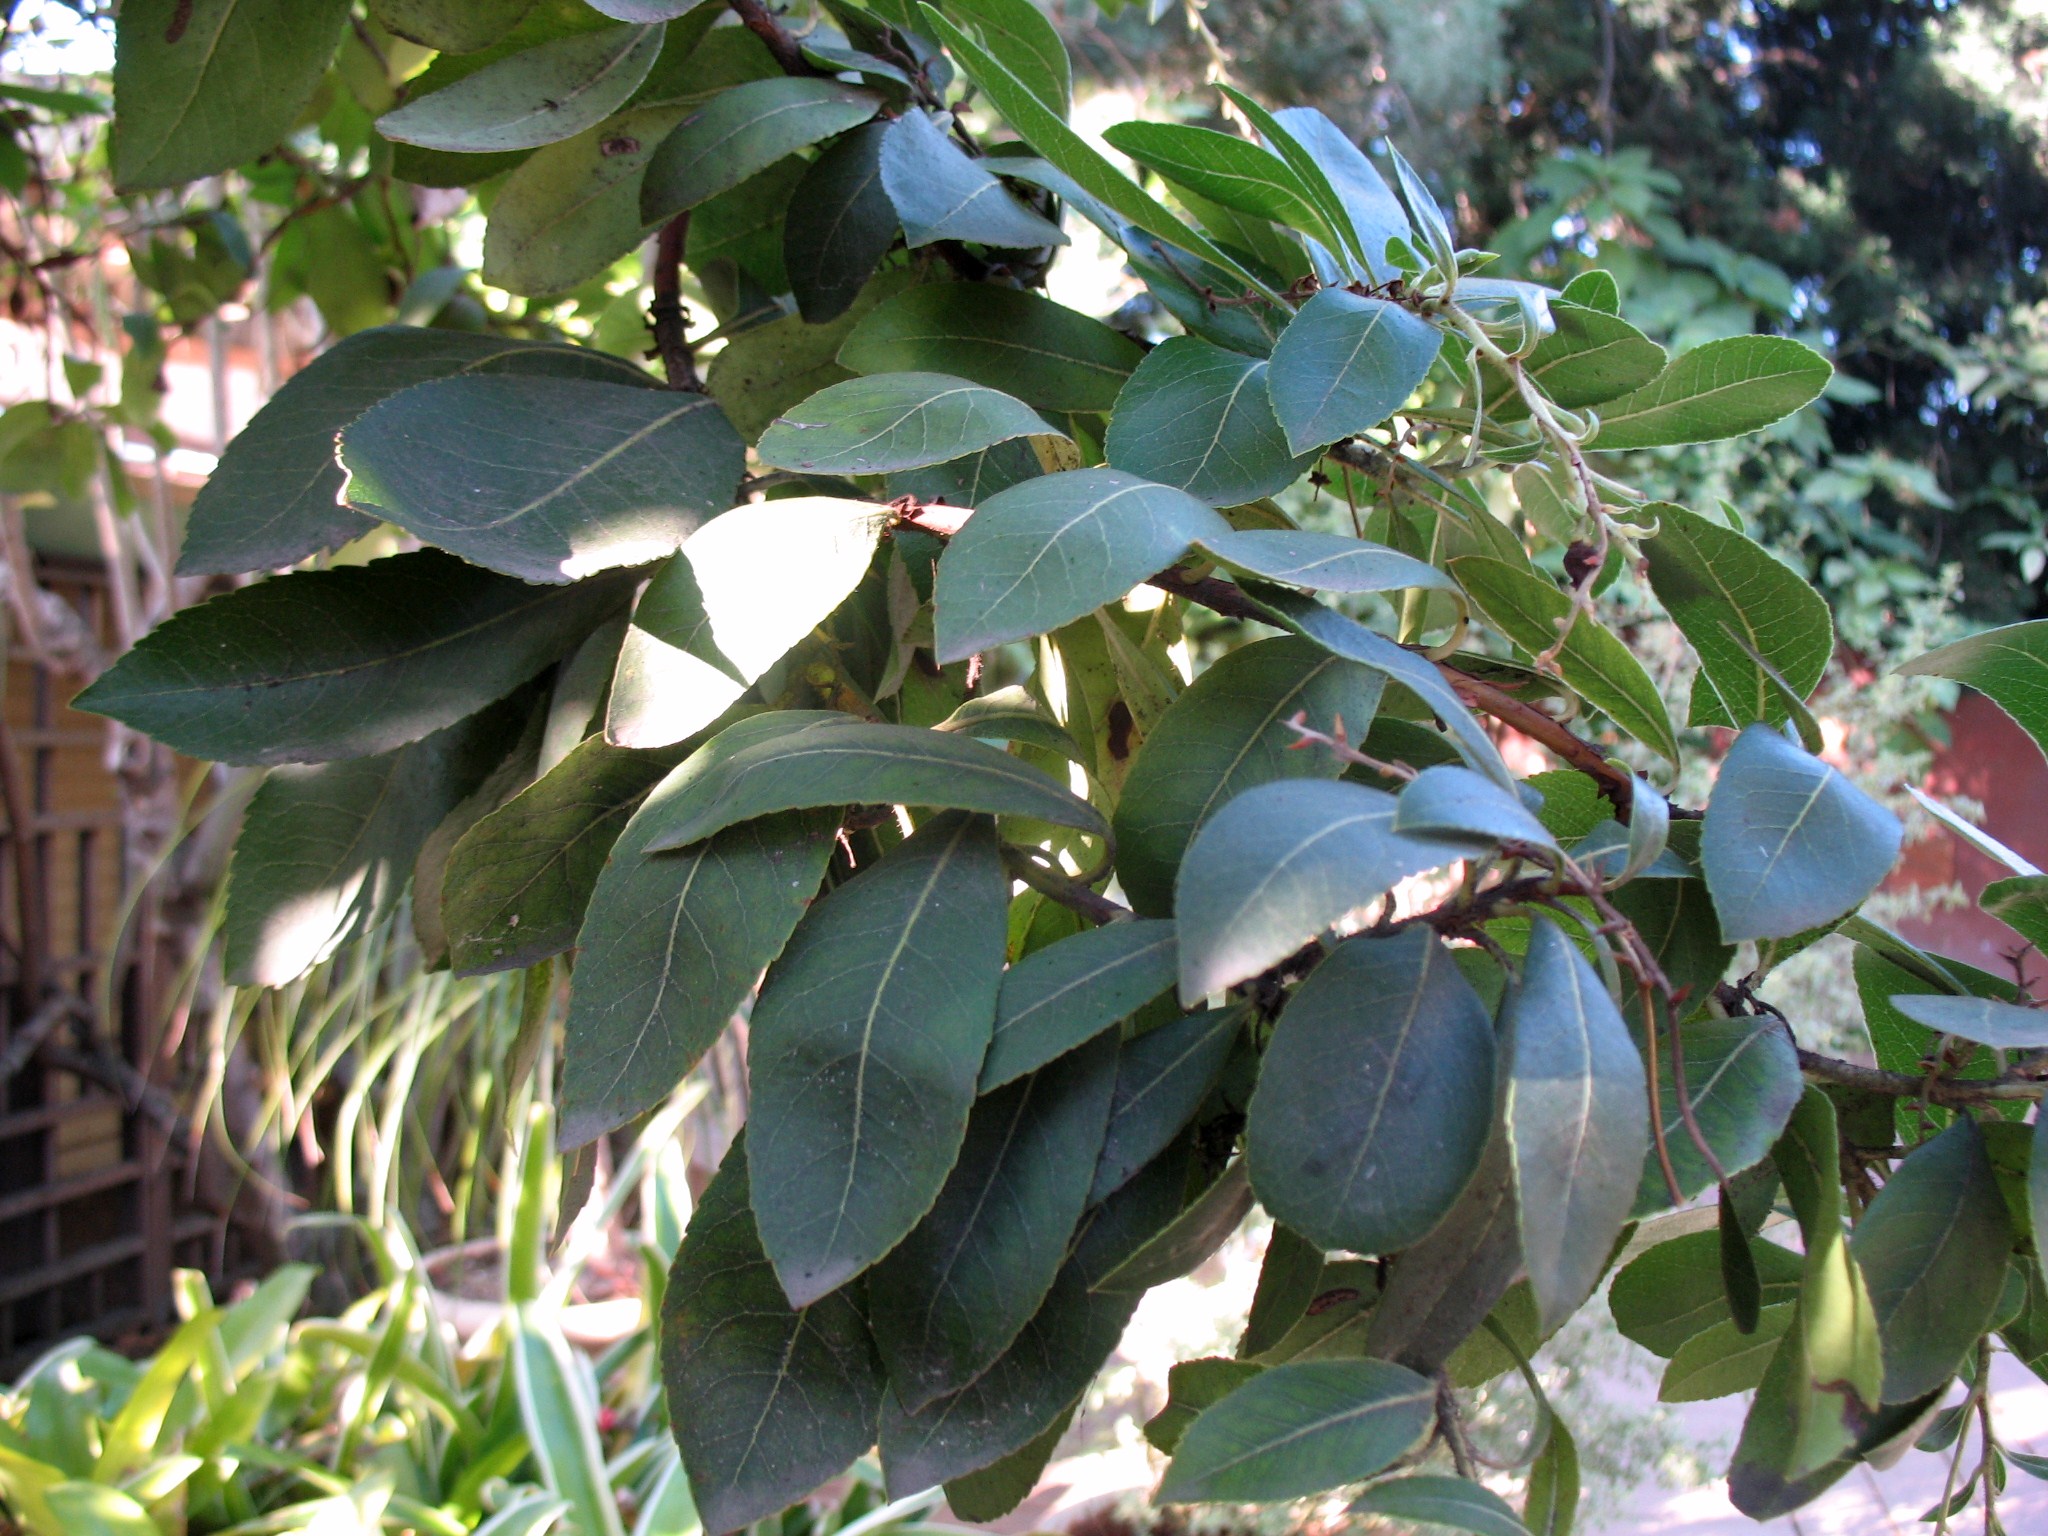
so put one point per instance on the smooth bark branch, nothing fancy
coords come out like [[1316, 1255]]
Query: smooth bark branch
[[760, 21]]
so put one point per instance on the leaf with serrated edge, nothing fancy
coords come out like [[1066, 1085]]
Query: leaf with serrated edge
[[1048, 356], [1721, 389], [940, 193], [1061, 996], [896, 421], [744, 130], [1742, 1081], [1197, 417], [1161, 1080], [539, 96], [1345, 364]]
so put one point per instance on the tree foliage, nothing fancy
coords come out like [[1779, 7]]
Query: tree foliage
[[1068, 958]]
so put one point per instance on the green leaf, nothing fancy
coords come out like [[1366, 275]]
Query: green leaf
[[1003, 1484], [346, 662], [1045, 130], [1042, 554], [1361, 191], [1453, 802], [1182, 283], [1550, 1504], [519, 880], [1191, 1386], [1591, 357], [325, 848], [736, 598], [1045, 354], [1299, 1429], [558, 1408], [1312, 177], [953, 1295], [2009, 666], [855, 763], [1455, 1503], [839, 226], [1722, 1360], [941, 194], [1011, 714], [1578, 1117], [1226, 733], [1018, 34], [767, 370], [556, 479], [1731, 596], [1225, 169], [1673, 1291], [2003, 1026], [275, 497], [1289, 1278], [1347, 363], [1721, 389], [573, 208], [865, 1045], [672, 945], [540, 96], [1197, 417], [1161, 1080], [896, 421], [1789, 843], [744, 130], [1060, 997], [2020, 903], [1191, 1240], [1386, 1054], [742, 228], [1933, 1247], [454, 26], [1742, 1075], [202, 85], [1527, 608], [1323, 562], [1276, 866], [1596, 290], [766, 1402], [1038, 1378]]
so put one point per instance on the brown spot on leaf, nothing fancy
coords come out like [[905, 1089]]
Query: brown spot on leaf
[[181, 18], [1120, 725], [1329, 1299], [619, 144]]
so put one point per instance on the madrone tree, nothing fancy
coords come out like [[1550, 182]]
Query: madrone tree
[[840, 684]]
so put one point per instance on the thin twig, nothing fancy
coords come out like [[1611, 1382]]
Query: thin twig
[[760, 21], [1067, 892], [665, 314], [2016, 1085]]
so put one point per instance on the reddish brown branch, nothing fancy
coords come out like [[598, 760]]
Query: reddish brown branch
[[759, 20], [666, 314]]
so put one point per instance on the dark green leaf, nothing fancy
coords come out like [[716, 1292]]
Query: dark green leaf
[[1375, 1096], [1225, 169], [771, 368], [1044, 553], [1789, 843], [1591, 357], [1932, 1247], [766, 1402], [941, 194], [346, 662], [839, 226], [1191, 1386], [1578, 1116], [1454, 1503], [1047, 355], [1739, 1275], [1742, 1076], [732, 603], [1191, 1240], [1347, 363], [743, 227], [1675, 1290], [1018, 34], [1722, 389], [742, 131], [1161, 1080], [955, 1293], [1289, 1278], [1182, 281], [896, 421], [1731, 597], [2021, 903], [1453, 802], [1002, 1485], [1314, 180], [866, 1041], [1722, 1360], [202, 85], [1376, 214], [1226, 733], [2003, 1026], [1065, 994], [1011, 714], [1299, 1428], [540, 96], [1550, 1504], [555, 479], [276, 495], [454, 26], [1197, 417], [1323, 562], [1279, 864], [2009, 666], [519, 880]]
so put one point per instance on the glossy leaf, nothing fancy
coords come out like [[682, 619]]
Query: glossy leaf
[[865, 1045], [1347, 363], [1788, 842], [1059, 997], [2003, 1026], [1226, 733], [1191, 1386], [839, 226], [1673, 1291], [346, 662], [1198, 418], [955, 1293], [1225, 169], [739, 595], [556, 479], [1578, 1116], [2009, 666], [1276, 866], [1041, 554], [1299, 1429], [1368, 202], [766, 1401], [1323, 562], [1455, 1503], [539, 96], [1719, 389], [774, 367], [1048, 356], [1193, 1238], [1591, 357], [1375, 1097], [1742, 1077], [1453, 802], [744, 130], [1722, 1360], [1018, 33], [1162, 1077], [939, 193], [896, 421]]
